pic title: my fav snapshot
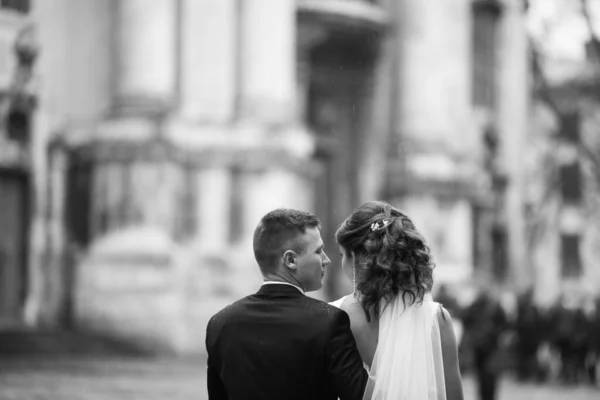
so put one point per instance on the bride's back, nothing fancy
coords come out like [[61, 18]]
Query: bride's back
[[366, 333]]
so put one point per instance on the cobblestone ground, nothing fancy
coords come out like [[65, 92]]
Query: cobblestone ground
[[150, 379]]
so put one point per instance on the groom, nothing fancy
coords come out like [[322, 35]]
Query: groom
[[279, 343]]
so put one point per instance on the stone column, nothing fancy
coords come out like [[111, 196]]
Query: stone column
[[268, 60], [434, 80], [433, 115], [213, 208], [145, 47], [144, 78], [56, 274], [513, 105], [209, 31]]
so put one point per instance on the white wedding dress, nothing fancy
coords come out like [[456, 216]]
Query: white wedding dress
[[408, 361]]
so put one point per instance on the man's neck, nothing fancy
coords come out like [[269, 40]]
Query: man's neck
[[279, 278]]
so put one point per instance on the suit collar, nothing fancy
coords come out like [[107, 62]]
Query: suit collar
[[280, 288]]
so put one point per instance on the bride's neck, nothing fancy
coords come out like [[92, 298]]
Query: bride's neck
[[357, 298]]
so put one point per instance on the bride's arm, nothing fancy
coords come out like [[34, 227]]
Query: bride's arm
[[454, 390]]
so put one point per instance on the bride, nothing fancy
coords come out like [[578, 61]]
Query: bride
[[405, 339]]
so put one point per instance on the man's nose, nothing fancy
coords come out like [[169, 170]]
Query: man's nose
[[326, 261]]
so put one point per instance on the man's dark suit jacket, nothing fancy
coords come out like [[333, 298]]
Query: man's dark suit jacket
[[280, 344]]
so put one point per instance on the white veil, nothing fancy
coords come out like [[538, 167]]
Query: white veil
[[408, 360]]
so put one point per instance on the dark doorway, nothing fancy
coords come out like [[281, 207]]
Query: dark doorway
[[14, 229]]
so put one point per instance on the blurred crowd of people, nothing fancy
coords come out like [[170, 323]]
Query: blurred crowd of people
[[512, 334]]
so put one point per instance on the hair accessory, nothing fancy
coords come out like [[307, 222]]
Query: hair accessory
[[375, 226]]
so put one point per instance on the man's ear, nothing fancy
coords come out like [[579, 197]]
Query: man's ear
[[289, 259]]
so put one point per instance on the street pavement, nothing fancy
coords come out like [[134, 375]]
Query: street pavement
[[95, 378]]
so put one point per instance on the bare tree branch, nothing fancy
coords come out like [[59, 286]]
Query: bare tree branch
[[590, 156], [539, 221], [545, 92]]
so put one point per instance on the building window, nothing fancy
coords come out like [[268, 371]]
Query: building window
[[592, 52], [486, 15], [570, 255], [570, 129], [571, 185], [78, 202], [21, 6], [186, 213], [499, 252], [236, 210], [477, 220]]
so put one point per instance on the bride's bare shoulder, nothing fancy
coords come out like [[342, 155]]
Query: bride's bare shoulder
[[349, 303], [357, 314], [355, 311], [338, 303]]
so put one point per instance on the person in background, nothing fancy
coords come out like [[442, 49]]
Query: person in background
[[569, 322], [485, 321], [595, 343], [529, 332]]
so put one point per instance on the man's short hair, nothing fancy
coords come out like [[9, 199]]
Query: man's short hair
[[279, 231]]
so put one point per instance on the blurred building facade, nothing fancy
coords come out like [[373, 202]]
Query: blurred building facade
[[562, 201], [160, 132]]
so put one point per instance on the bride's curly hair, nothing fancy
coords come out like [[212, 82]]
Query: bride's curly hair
[[391, 257]]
